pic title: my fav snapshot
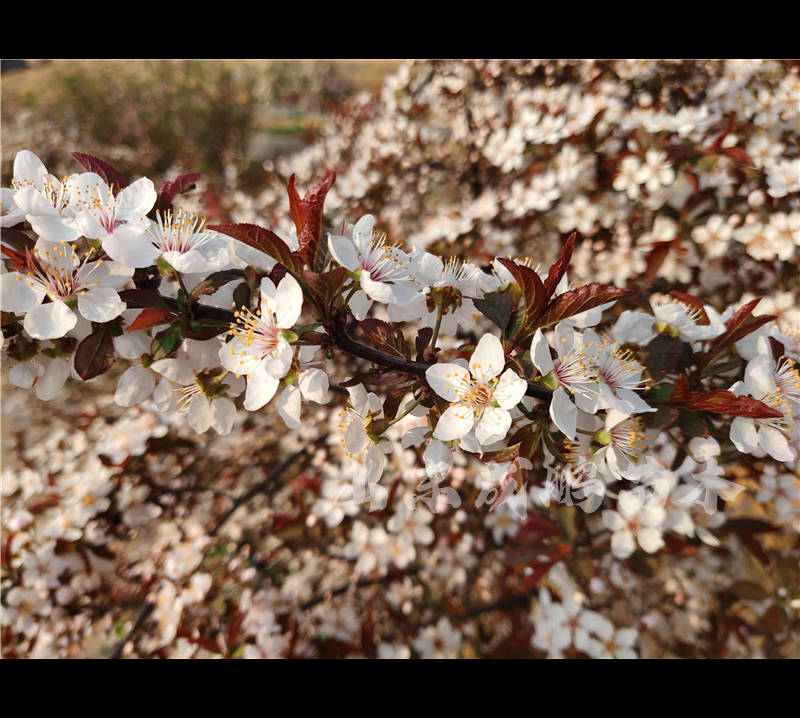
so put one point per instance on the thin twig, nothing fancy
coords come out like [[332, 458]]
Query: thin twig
[[258, 488], [141, 617]]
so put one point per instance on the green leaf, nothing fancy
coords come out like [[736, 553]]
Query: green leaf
[[167, 341], [496, 306]]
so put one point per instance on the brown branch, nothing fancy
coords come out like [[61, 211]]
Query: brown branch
[[141, 617]]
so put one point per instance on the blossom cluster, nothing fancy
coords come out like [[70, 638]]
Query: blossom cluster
[[445, 408]]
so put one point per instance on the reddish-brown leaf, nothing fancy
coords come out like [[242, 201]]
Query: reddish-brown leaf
[[111, 175], [720, 401], [169, 190], [264, 240], [579, 300], [559, 267], [150, 318], [738, 154]]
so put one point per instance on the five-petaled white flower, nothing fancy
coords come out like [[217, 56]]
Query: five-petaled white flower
[[382, 269], [768, 383], [56, 271], [258, 346], [478, 398]]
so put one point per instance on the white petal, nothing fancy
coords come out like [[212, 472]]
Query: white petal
[[51, 383], [49, 321], [650, 539], [100, 304], [488, 359], [288, 302], [622, 544], [360, 304], [179, 371], [53, 228], [314, 384], [134, 386], [775, 444], [540, 353], [344, 252], [448, 380], [454, 423], [613, 521], [17, 295], [131, 247], [510, 389], [563, 412], [289, 406], [136, 200], [27, 166], [109, 274], [224, 415], [25, 373], [200, 413], [743, 434], [493, 425], [261, 387], [438, 459]]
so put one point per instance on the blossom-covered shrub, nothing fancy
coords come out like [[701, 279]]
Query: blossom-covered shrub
[[556, 383]]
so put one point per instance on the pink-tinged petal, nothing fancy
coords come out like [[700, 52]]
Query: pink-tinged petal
[[455, 423], [136, 200], [565, 338], [563, 412], [377, 291], [344, 252], [100, 304], [25, 374], [488, 359], [289, 406], [224, 415], [131, 247], [18, 293], [450, 381], [540, 353], [743, 434], [510, 389], [775, 444], [288, 302], [622, 544], [200, 413], [278, 365], [29, 168], [49, 321], [314, 385], [53, 380], [261, 387], [134, 386], [650, 539], [492, 426]]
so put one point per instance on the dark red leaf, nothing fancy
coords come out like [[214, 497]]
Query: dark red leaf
[[150, 318], [579, 300], [739, 155], [111, 175], [95, 354], [720, 401], [169, 190], [264, 240], [560, 267]]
